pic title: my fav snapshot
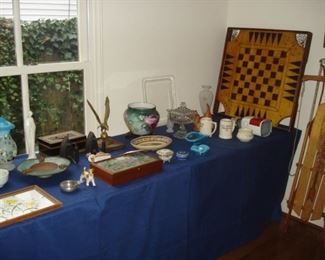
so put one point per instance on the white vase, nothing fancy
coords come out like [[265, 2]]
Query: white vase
[[206, 98]]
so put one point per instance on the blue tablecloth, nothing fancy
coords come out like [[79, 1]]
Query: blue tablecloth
[[193, 209]]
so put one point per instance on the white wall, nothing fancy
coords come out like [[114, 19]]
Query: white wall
[[308, 15], [154, 38], [134, 39]]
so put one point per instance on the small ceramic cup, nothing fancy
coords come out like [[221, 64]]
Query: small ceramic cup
[[245, 134], [4, 176]]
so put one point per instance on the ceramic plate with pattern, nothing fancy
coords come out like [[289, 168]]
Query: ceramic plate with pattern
[[43, 169], [151, 142]]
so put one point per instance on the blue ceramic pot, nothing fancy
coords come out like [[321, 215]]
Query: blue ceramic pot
[[141, 118]]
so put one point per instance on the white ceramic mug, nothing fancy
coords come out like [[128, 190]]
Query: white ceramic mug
[[207, 126], [227, 126]]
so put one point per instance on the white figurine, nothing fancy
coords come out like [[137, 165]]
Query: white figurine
[[30, 136], [87, 176]]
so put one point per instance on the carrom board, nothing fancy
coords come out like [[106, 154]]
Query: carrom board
[[261, 73]]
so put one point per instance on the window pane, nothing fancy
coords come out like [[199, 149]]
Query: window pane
[[11, 108], [53, 39], [56, 100], [7, 40]]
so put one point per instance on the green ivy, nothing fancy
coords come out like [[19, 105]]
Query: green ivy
[[7, 43], [56, 99]]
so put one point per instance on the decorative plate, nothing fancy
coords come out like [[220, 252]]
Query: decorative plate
[[43, 169], [151, 142]]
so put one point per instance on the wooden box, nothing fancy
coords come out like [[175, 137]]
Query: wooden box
[[50, 144], [127, 167]]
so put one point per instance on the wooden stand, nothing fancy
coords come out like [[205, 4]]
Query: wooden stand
[[110, 144]]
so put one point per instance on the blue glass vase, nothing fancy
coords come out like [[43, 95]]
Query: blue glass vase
[[8, 147]]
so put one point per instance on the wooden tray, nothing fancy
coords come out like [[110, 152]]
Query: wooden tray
[[127, 167]]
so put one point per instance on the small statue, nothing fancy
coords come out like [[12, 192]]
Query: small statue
[[103, 125], [88, 176], [196, 123], [208, 112], [30, 136]]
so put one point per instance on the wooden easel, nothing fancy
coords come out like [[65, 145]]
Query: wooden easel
[[307, 196]]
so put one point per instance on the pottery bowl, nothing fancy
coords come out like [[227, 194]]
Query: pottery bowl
[[69, 185], [165, 154], [245, 134], [4, 176]]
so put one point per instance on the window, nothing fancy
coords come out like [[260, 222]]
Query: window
[[42, 65]]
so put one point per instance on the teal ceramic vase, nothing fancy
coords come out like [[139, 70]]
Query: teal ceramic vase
[[8, 147], [141, 118]]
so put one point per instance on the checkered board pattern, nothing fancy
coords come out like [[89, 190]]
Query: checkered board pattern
[[259, 76], [261, 73]]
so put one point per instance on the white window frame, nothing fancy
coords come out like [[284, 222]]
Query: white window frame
[[24, 70]]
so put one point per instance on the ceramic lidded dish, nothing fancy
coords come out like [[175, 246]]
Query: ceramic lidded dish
[[165, 154]]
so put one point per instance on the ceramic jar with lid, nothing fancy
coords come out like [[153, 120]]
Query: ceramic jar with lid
[[8, 147], [141, 118]]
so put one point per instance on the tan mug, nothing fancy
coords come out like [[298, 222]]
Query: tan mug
[[207, 126], [227, 126]]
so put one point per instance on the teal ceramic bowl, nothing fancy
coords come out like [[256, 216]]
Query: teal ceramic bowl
[[43, 169]]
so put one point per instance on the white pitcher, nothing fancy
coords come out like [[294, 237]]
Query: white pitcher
[[207, 126]]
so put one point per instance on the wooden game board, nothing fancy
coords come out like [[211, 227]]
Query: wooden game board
[[261, 73]]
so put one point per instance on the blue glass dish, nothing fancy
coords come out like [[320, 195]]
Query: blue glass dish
[[200, 149], [182, 155], [195, 137]]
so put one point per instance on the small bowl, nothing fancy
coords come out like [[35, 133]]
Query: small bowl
[[4, 176], [69, 185], [182, 155], [165, 154], [245, 134]]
